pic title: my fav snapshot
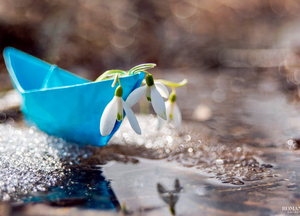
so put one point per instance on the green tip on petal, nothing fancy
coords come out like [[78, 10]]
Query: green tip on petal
[[119, 92], [172, 97], [119, 117], [149, 99], [149, 80]]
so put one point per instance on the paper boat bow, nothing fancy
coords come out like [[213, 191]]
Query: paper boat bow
[[61, 103]]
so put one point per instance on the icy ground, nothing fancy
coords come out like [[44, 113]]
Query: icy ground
[[31, 161]]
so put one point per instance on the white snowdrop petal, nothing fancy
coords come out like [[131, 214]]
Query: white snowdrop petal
[[176, 116], [148, 93], [108, 118], [158, 103], [120, 108], [131, 117], [168, 109], [162, 89], [160, 122], [134, 96]]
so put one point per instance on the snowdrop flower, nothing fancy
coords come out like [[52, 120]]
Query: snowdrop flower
[[114, 112], [154, 93], [173, 113]]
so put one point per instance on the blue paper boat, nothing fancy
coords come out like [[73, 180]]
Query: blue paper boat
[[61, 103]]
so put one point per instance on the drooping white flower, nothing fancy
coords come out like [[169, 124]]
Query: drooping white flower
[[173, 113], [114, 112], [154, 93]]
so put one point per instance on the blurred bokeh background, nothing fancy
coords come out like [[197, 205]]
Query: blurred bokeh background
[[88, 37], [242, 60]]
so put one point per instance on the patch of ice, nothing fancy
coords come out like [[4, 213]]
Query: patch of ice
[[32, 161]]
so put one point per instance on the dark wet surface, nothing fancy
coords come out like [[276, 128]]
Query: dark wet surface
[[236, 153]]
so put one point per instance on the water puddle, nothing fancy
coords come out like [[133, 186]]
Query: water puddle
[[240, 160], [37, 168]]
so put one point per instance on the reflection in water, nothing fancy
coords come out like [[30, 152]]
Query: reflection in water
[[170, 197], [82, 187]]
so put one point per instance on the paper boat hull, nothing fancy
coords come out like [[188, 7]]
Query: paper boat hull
[[61, 103]]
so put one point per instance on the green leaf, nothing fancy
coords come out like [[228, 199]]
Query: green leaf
[[141, 67], [109, 74], [172, 84]]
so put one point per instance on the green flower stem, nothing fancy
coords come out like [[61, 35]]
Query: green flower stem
[[137, 69], [173, 90], [116, 79]]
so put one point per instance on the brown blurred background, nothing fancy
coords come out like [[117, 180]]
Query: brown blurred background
[[88, 37]]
